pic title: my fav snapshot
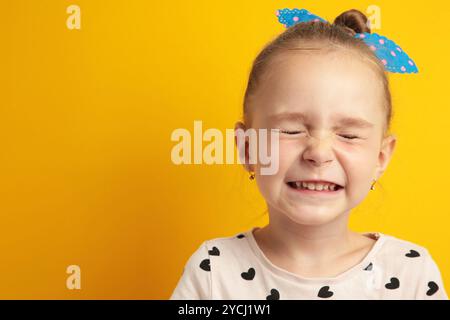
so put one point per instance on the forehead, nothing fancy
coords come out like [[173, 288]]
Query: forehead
[[325, 83]]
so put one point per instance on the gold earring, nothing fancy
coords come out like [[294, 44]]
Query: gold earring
[[372, 187], [252, 175]]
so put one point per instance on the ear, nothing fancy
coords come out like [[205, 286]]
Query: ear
[[387, 149], [244, 148]]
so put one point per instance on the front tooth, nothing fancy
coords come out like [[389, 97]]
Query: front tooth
[[311, 186], [319, 187]]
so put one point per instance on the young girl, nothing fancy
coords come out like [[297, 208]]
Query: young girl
[[326, 92]]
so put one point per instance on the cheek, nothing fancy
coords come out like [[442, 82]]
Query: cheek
[[290, 152], [359, 165], [270, 185]]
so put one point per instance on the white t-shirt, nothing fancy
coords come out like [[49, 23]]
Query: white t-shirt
[[235, 268]]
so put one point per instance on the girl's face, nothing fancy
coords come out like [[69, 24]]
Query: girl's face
[[329, 110]]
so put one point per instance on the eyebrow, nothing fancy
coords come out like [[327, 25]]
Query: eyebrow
[[291, 116], [353, 122], [343, 122]]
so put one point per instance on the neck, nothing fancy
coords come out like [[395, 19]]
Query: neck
[[308, 243]]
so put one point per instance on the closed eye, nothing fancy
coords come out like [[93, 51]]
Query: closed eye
[[348, 136], [291, 132]]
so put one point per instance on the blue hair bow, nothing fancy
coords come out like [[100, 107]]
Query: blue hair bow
[[391, 55]]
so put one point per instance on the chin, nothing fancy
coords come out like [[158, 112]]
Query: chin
[[311, 216]]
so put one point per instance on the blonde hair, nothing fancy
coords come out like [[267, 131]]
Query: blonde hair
[[340, 34]]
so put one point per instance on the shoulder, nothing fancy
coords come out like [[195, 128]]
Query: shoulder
[[224, 247], [229, 255], [402, 255], [231, 244], [397, 248], [210, 260], [412, 266]]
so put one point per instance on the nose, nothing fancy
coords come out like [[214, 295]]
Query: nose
[[318, 151]]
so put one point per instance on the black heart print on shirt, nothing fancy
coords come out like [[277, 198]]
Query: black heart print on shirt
[[274, 295], [205, 265], [393, 284], [433, 288], [325, 292], [214, 251], [412, 254], [249, 275]]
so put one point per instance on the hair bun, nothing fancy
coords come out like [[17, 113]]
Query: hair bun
[[353, 20]]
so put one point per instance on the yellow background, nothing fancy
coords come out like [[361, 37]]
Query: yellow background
[[86, 117]]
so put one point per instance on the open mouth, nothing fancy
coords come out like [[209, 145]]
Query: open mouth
[[323, 186]]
